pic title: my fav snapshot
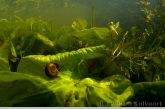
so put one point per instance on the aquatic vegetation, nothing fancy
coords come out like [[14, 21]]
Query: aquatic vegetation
[[81, 66]]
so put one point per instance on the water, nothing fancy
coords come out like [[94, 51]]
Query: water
[[78, 53], [64, 12]]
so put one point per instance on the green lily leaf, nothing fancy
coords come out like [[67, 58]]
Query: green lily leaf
[[114, 85], [93, 36], [18, 89], [65, 30], [65, 41], [79, 24], [117, 83], [35, 64], [63, 37]]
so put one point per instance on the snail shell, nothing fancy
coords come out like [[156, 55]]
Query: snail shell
[[51, 69]]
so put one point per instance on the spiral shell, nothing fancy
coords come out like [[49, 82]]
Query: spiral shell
[[51, 70]]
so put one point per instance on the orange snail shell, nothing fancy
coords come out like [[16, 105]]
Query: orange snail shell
[[51, 69]]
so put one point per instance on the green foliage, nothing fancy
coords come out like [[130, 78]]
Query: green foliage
[[67, 61], [21, 89], [147, 89], [65, 92], [97, 66], [93, 36], [34, 36]]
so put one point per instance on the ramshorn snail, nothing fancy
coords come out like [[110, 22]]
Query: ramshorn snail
[[51, 69]]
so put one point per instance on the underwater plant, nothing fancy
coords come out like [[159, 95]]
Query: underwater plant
[[81, 66]]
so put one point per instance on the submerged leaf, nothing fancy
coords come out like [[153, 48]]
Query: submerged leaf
[[61, 91], [13, 52], [79, 24], [35, 64], [4, 63], [19, 89], [65, 30], [45, 40], [65, 41], [134, 30], [93, 36]]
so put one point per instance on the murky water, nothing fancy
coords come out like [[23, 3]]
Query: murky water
[[64, 12]]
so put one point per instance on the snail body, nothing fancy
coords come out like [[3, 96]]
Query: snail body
[[51, 70]]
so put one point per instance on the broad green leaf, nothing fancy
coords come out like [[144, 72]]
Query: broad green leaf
[[65, 41], [45, 40], [98, 95], [79, 24], [63, 31], [117, 83], [35, 64], [18, 89], [93, 36], [63, 37]]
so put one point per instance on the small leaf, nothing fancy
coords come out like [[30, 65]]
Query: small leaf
[[13, 52], [134, 30], [156, 60]]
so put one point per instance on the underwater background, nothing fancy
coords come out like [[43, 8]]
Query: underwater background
[[82, 53], [63, 12]]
